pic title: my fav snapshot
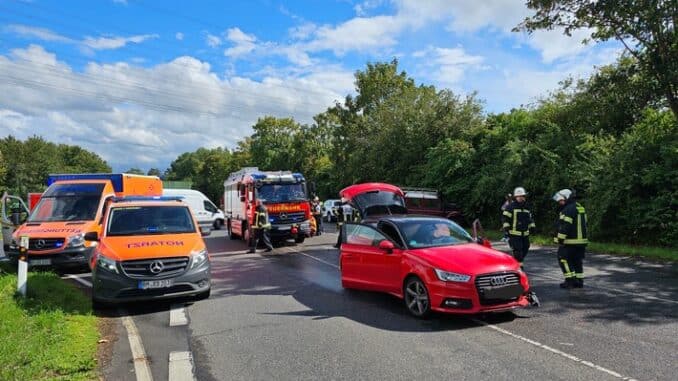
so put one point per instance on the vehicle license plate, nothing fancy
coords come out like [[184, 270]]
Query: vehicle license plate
[[40, 262], [503, 292], [162, 283]]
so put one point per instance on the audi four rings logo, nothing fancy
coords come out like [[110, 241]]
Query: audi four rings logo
[[40, 244], [156, 267], [498, 280]]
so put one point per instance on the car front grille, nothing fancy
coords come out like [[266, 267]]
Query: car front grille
[[155, 268], [38, 244], [498, 288]]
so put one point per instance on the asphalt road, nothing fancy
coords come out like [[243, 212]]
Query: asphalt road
[[283, 315]]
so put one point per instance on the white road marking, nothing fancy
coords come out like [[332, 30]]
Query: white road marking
[[516, 336], [181, 366], [555, 351], [141, 367], [78, 279], [178, 315]]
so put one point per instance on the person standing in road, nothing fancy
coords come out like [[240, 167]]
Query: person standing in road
[[572, 238], [341, 218], [518, 223], [507, 202], [260, 228], [317, 209]]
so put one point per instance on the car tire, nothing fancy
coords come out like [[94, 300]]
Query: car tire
[[416, 297], [300, 239], [231, 235], [218, 223]]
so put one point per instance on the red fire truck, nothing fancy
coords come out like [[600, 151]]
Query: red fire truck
[[283, 193]]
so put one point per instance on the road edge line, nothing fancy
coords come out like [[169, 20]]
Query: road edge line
[[141, 367]]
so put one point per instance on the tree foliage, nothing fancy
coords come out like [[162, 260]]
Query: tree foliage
[[25, 165], [646, 28]]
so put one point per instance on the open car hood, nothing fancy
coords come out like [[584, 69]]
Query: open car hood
[[373, 199]]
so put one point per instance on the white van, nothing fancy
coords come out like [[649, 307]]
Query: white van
[[205, 211]]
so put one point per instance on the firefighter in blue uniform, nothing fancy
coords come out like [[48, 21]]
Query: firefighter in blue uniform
[[260, 228], [572, 238], [518, 224]]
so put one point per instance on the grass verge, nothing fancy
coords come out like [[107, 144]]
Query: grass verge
[[649, 252], [49, 335]]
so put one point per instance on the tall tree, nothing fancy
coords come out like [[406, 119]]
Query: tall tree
[[646, 28]]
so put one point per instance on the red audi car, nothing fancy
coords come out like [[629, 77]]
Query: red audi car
[[430, 262]]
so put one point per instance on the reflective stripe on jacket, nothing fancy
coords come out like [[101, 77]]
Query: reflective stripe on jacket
[[572, 228], [518, 219]]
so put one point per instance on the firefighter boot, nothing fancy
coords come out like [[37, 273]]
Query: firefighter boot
[[578, 283], [568, 283]]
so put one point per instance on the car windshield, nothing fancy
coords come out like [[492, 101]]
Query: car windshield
[[430, 232], [149, 220], [282, 192], [68, 202]]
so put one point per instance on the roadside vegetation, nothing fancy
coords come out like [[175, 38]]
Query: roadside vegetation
[[49, 335]]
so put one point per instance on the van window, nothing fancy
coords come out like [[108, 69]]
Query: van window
[[209, 206]]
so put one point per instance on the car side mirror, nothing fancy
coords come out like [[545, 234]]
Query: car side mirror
[[91, 236], [387, 246], [205, 231]]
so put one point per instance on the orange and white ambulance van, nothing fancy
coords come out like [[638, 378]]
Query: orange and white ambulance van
[[148, 248], [73, 205]]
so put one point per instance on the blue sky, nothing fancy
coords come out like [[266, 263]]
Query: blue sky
[[140, 82]]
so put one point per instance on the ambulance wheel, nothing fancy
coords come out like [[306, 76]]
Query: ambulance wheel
[[218, 224], [299, 239], [98, 305]]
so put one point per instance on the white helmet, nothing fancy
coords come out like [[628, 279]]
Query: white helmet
[[519, 191], [562, 194]]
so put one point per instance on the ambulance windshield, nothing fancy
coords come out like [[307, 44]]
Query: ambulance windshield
[[68, 202]]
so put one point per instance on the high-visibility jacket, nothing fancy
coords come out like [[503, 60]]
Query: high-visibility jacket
[[517, 218], [572, 229], [261, 220]]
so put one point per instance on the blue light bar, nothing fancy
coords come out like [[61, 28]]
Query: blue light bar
[[147, 198], [115, 178]]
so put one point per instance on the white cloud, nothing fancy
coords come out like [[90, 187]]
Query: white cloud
[[179, 36], [553, 44], [362, 9], [212, 40], [147, 116], [105, 43], [447, 66], [359, 33], [35, 32], [243, 42]]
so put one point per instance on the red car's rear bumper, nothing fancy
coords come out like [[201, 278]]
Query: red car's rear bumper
[[463, 298]]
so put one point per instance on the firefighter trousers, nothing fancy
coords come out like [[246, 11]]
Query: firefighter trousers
[[260, 235], [571, 261], [520, 245]]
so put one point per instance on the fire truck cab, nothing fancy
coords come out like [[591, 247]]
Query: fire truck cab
[[282, 192]]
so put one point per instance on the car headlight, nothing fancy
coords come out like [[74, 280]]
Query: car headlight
[[76, 240], [198, 258], [447, 276], [107, 264]]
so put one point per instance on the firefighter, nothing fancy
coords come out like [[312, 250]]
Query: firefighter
[[571, 237], [317, 209], [341, 218], [260, 228], [507, 202], [518, 223]]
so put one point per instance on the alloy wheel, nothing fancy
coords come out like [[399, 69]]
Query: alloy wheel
[[416, 298]]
